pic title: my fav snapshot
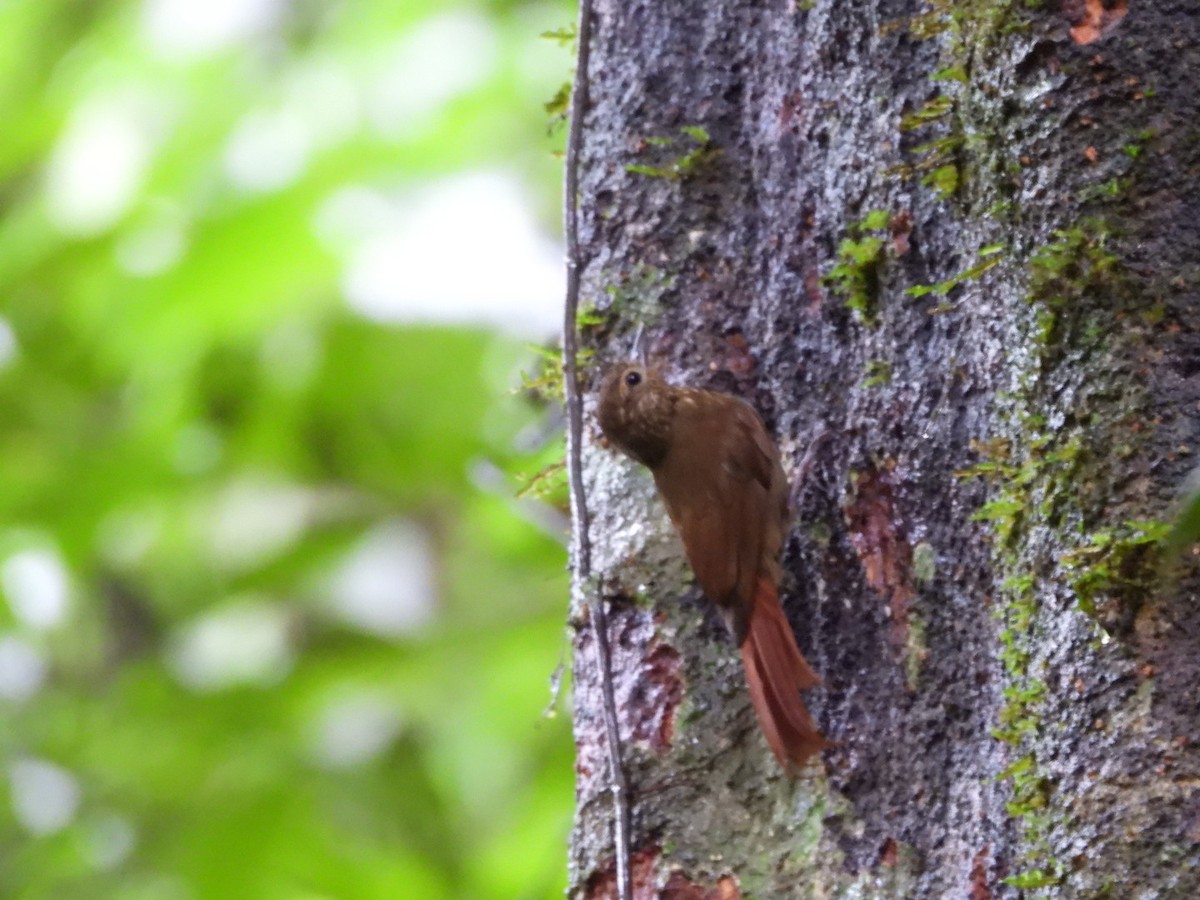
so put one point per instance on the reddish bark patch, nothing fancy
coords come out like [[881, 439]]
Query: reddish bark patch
[[900, 226], [602, 884], [791, 110], [680, 887], [980, 890], [812, 288], [632, 639], [738, 358], [650, 710], [878, 538], [1092, 19], [644, 866], [889, 853]]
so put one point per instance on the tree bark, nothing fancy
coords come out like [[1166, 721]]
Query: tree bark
[[963, 239]]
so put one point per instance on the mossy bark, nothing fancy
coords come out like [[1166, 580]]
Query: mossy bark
[[963, 239]]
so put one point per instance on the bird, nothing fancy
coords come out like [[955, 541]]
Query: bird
[[719, 475]]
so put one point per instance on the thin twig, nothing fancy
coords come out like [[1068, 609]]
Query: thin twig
[[583, 547]]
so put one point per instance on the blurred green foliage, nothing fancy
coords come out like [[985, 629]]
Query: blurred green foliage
[[201, 437]]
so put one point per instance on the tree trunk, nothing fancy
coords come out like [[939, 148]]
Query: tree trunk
[[963, 239]]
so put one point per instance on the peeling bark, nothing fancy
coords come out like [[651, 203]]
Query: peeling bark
[[964, 239]]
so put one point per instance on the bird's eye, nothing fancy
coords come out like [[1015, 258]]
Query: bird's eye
[[633, 379]]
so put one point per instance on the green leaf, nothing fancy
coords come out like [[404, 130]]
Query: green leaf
[[864, 251], [950, 73], [1185, 531], [998, 509], [649, 171], [944, 179], [1022, 765], [559, 105], [1034, 878], [876, 219], [564, 36]]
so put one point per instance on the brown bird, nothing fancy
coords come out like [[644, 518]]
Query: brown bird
[[719, 476]]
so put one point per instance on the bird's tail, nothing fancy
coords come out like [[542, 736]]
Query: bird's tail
[[776, 673]]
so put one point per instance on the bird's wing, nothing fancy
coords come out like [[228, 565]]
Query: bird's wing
[[720, 498]]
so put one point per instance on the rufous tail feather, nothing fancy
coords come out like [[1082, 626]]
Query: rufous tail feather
[[776, 673]]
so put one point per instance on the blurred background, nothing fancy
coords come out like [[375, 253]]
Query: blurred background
[[281, 541]]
